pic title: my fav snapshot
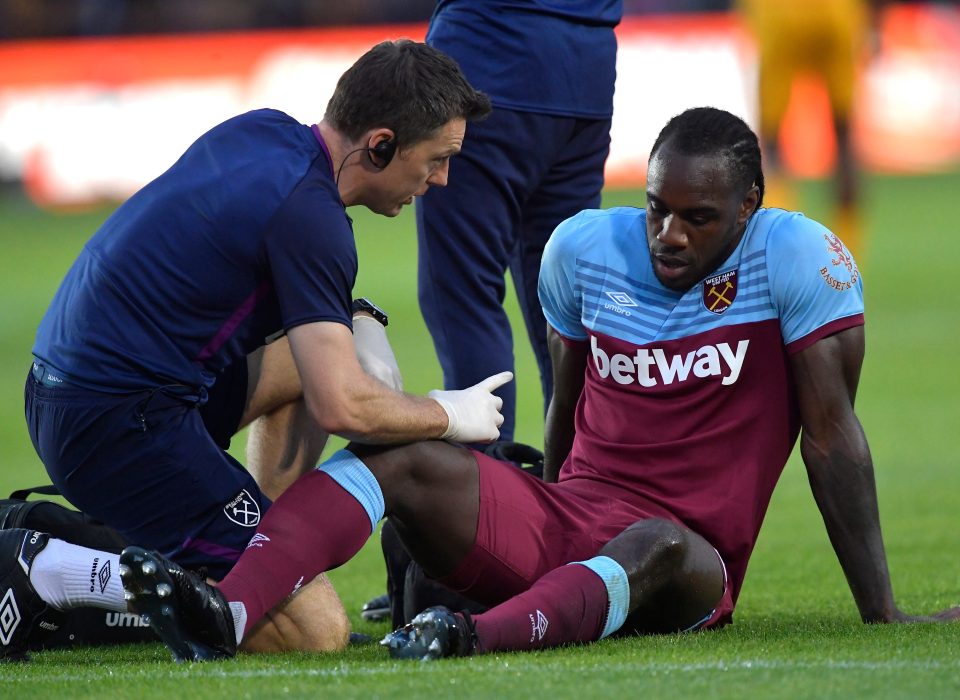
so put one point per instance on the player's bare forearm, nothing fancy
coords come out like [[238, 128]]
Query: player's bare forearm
[[344, 400], [569, 360], [371, 412], [840, 469], [557, 439], [843, 486]]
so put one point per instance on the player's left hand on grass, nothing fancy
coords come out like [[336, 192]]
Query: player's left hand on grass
[[374, 352], [948, 615]]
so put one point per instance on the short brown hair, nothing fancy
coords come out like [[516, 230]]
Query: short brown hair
[[408, 87]]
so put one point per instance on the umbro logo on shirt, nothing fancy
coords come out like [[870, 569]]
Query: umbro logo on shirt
[[620, 300]]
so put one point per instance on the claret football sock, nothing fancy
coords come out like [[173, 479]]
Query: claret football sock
[[69, 576], [567, 605], [319, 523]]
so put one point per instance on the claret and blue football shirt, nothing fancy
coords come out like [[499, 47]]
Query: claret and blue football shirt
[[688, 402]]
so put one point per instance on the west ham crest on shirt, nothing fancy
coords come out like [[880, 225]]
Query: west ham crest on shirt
[[720, 291]]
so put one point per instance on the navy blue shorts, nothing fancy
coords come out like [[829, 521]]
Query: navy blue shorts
[[152, 464]]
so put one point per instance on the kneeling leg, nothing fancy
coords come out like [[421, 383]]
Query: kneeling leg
[[312, 619]]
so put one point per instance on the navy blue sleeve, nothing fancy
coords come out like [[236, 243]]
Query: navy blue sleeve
[[312, 256]]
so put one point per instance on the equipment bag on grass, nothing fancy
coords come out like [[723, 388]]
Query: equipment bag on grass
[[80, 626]]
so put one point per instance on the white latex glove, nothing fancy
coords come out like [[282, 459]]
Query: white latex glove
[[374, 352], [474, 413]]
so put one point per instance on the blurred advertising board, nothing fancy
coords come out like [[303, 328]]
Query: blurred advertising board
[[87, 120]]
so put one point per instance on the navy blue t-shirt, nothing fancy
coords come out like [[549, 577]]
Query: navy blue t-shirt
[[549, 56], [244, 236]]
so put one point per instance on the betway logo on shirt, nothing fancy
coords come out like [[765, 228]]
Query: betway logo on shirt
[[652, 366]]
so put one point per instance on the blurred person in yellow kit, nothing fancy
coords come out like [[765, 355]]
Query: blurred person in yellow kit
[[826, 39]]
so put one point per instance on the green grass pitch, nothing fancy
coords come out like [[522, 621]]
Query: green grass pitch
[[796, 635]]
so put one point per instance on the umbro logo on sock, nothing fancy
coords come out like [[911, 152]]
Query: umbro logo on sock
[[257, 540], [538, 624], [99, 577]]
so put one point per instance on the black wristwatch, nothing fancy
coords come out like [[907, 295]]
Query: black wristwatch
[[364, 304]]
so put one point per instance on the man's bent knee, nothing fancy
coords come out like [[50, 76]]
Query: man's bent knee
[[649, 544], [313, 619], [676, 577]]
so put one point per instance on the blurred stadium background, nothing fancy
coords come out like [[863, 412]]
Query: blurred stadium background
[[99, 96]]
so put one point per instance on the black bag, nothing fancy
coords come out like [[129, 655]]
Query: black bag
[[410, 590], [80, 626], [57, 520]]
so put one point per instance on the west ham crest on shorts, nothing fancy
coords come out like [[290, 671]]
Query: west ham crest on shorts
[[243, 510], [720, 291]]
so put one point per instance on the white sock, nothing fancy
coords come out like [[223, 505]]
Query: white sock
[[239, 612], [70, 576]]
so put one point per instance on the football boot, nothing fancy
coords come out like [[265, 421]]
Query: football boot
[[433, 634], [189, 615], [376, 609]]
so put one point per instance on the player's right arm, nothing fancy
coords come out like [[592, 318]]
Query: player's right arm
[[344, 400], [566, 339], [569, 361]]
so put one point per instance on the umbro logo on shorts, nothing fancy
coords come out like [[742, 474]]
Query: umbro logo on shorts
[[119, 619]]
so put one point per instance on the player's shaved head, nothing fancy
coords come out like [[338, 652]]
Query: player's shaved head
[[707, 131]]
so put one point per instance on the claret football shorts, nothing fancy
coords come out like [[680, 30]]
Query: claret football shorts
[[527, 527]]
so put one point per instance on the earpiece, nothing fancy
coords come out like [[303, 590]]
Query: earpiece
[[385, 151]]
